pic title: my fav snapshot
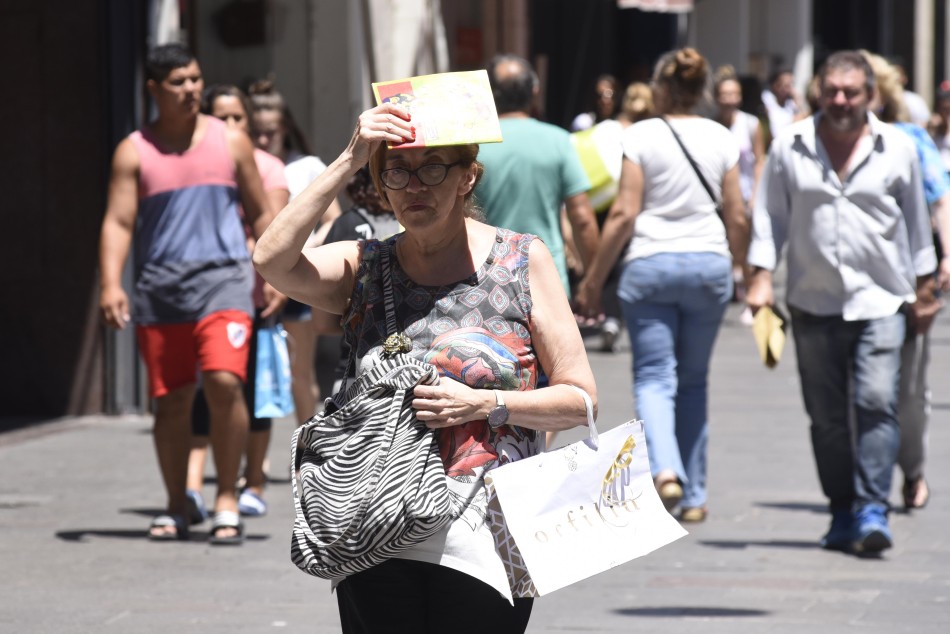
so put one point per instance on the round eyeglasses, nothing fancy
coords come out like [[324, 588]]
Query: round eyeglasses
[[430, 175]]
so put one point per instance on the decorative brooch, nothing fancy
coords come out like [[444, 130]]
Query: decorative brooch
[[396, 343]]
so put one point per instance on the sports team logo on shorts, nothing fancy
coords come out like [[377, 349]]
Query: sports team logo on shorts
[[237, 334]]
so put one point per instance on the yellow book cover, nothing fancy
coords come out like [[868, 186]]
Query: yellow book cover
[[446, 108]]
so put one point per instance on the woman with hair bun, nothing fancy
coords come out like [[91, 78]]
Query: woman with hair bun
[[677, 276]]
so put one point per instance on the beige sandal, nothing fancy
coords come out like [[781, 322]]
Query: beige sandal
[[695, 514], [671, 492], [916, 493]]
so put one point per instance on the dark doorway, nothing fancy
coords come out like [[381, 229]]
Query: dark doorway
[[582, 40]]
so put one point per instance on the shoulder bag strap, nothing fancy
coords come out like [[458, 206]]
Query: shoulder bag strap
[[390, 313], [689, 157], [388, 296]]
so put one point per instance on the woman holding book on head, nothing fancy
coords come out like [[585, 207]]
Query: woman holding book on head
[[463, 295]]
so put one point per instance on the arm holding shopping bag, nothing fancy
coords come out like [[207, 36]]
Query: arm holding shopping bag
[[561, 352]]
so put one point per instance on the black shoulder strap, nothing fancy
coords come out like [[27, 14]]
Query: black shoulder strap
[[385, 265], [388, 297], [689, 157]]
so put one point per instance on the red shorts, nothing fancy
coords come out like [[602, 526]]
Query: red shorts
[[175, 353]]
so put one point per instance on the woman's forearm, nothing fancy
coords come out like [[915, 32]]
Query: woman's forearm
[[554, 408], [279, 249]]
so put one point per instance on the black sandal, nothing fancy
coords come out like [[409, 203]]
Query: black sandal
[[168, 521]]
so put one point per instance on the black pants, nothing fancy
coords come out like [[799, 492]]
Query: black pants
[[413, 596]]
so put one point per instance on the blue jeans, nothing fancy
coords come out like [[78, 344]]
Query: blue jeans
[[850, 371], [673, 304]]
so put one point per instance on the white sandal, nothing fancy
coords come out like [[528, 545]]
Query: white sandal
[[223, 520]]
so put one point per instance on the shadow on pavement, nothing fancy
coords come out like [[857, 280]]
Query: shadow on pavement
[[194, 536], [811, 507], [144, 512], [703, 612], [80, 535], [741, 544]]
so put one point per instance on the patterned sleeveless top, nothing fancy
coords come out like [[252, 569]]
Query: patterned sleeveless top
[[475, 331]]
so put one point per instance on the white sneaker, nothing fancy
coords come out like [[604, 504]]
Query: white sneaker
[[609, 333], [251, 504], [746, 318]]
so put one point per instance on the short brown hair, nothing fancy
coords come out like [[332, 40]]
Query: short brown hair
[[849, 60]]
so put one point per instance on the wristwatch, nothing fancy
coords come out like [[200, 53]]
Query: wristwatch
[[498, 416]]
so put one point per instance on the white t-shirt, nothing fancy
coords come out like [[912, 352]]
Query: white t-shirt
[[677, 214]]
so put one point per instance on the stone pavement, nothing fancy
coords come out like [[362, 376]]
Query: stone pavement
[[76, 496]]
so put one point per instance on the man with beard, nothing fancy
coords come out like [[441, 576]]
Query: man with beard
[[844, 191]]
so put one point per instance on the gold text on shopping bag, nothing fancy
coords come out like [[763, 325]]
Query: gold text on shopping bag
[[612, 506], [613, 490], [579, 520]]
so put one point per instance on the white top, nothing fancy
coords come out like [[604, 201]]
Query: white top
[[607, 136], [583, 121], [781, 115], [301, 171], [743, 129], [917, 108], [855, 248], [677, 214]]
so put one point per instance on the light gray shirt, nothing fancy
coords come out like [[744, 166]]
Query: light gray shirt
[[855, 248]]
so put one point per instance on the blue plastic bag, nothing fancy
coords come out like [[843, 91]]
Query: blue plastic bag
[[272, 395]]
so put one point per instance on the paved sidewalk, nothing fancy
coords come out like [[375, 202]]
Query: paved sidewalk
[[76, 496]]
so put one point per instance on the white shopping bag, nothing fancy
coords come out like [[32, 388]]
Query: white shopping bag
[[578, 510]]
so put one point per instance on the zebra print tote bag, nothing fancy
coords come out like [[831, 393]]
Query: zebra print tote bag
[[372, 483]]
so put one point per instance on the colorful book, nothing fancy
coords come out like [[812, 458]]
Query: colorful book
[[446, 108]]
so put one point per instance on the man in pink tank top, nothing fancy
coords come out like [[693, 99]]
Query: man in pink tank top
[[174, 193]]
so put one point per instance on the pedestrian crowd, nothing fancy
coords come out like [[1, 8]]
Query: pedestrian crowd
[[665, 203], [851, 188]]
